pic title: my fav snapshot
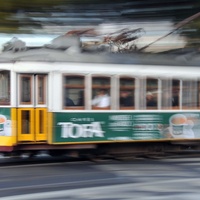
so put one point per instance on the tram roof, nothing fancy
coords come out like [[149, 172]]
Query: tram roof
[[179, 58]]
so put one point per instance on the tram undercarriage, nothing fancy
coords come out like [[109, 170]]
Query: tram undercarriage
[[106, 150]]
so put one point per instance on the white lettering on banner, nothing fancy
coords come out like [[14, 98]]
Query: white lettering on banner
[[120, 123], [71, 130], [147, 127], [120, 117]]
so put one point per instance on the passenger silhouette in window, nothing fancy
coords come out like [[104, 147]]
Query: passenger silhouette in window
[[126, 99], [150, 100], [69, 102], [102, 99], [81, 98], [175, 100]]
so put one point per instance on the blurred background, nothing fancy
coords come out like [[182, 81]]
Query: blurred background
[[166, 25]]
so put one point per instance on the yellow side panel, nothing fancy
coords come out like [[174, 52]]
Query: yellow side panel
[[25, 126], [6, 141], [14, 124], [41, 124], [50, 126]]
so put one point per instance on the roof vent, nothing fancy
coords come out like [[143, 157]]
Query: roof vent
[[14, 45]]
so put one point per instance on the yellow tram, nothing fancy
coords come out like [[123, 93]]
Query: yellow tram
[[48, 101]]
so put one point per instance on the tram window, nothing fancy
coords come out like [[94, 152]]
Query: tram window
[[25, 122], [73, 92], [101, 93], [25, 89], [170, 94], [166, 94], [151, 93], [175, 93], [189, 94], [4, 87], [41, 89], [127, 91]]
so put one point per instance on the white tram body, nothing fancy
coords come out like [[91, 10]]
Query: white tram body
[[34, 115]]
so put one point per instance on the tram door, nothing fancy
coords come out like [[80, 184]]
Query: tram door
[[32, 107]]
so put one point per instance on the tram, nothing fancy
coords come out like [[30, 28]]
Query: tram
[[36, 114]]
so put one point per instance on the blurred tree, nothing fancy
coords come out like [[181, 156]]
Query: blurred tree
[[22, 16], [192, 33], [14, 14]]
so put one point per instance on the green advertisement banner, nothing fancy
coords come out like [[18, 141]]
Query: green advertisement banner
[[89, 127]]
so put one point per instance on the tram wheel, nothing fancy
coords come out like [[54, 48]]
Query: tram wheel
[[56, 153]]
